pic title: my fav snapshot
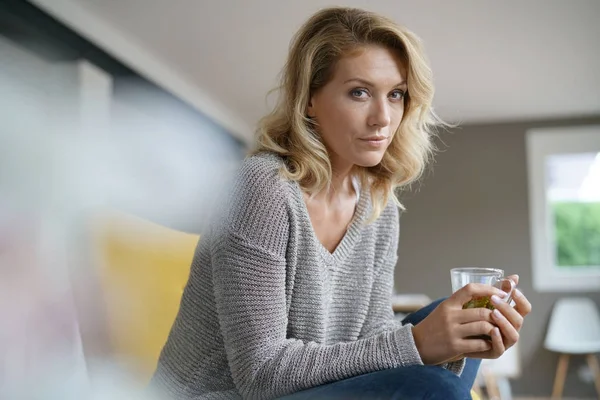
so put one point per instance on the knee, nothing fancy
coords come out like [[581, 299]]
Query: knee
[[432, 382], [447, 386], [437, 302]]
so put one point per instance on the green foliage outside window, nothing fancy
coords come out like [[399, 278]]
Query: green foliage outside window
[[577, 229]]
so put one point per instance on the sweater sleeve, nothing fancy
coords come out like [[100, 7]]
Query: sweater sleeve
[[380, 316], [249, 274]]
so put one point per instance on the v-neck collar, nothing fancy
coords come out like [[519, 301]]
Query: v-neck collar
[[353, 232]]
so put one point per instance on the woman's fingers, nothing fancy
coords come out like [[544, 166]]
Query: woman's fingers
[[509, 313], [522, 305], [509, 332], [514, 278], [498, 347], [472, 291], [479, 328], [451, 331], [474, 314], [495, 347], [470, 347], [502, 325]]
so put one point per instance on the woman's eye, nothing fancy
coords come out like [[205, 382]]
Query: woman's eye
[[358, 93], [397, 95]]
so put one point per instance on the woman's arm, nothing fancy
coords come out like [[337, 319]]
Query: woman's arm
[[380, 317]]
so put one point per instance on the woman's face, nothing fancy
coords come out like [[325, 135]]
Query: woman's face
[[361, 107]]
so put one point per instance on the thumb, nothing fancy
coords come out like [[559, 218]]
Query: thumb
[[472, 291], [514, 278]]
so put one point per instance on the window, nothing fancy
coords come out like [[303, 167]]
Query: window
[[564, 203]]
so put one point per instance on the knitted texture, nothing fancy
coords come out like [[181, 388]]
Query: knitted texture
[[269, 311]]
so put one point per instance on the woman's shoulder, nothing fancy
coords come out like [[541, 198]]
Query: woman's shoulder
[[258, 178], [389, 220], [264, 162], [387, 229], [261, 169], [391, 212], [389, 215], [256, 208]]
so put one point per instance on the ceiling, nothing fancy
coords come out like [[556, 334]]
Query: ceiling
[[492, 61]]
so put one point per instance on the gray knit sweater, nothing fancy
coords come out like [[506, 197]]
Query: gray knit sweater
[[268, 311]]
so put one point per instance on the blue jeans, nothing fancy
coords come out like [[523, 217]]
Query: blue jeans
[[413, 382]]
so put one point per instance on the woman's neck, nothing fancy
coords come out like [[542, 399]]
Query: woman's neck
[[341, 184]]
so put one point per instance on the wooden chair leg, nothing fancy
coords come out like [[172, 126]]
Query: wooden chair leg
[[491, 385], [593, 363], [561, 374]]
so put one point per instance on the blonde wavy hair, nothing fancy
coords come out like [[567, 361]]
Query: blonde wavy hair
[[326, 37]]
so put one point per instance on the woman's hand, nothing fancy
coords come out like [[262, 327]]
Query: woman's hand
[[447, 333], [509, 322]]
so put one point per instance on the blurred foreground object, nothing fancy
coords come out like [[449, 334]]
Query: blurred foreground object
[[142, 269]]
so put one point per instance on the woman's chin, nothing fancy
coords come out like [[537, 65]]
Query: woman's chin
[[369, 160]]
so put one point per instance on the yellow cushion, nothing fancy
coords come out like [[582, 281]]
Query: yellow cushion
[[143, 270]]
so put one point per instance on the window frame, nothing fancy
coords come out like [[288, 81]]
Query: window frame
[[540, 143]]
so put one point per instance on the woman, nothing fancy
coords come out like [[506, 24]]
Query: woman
[[290, 292]]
